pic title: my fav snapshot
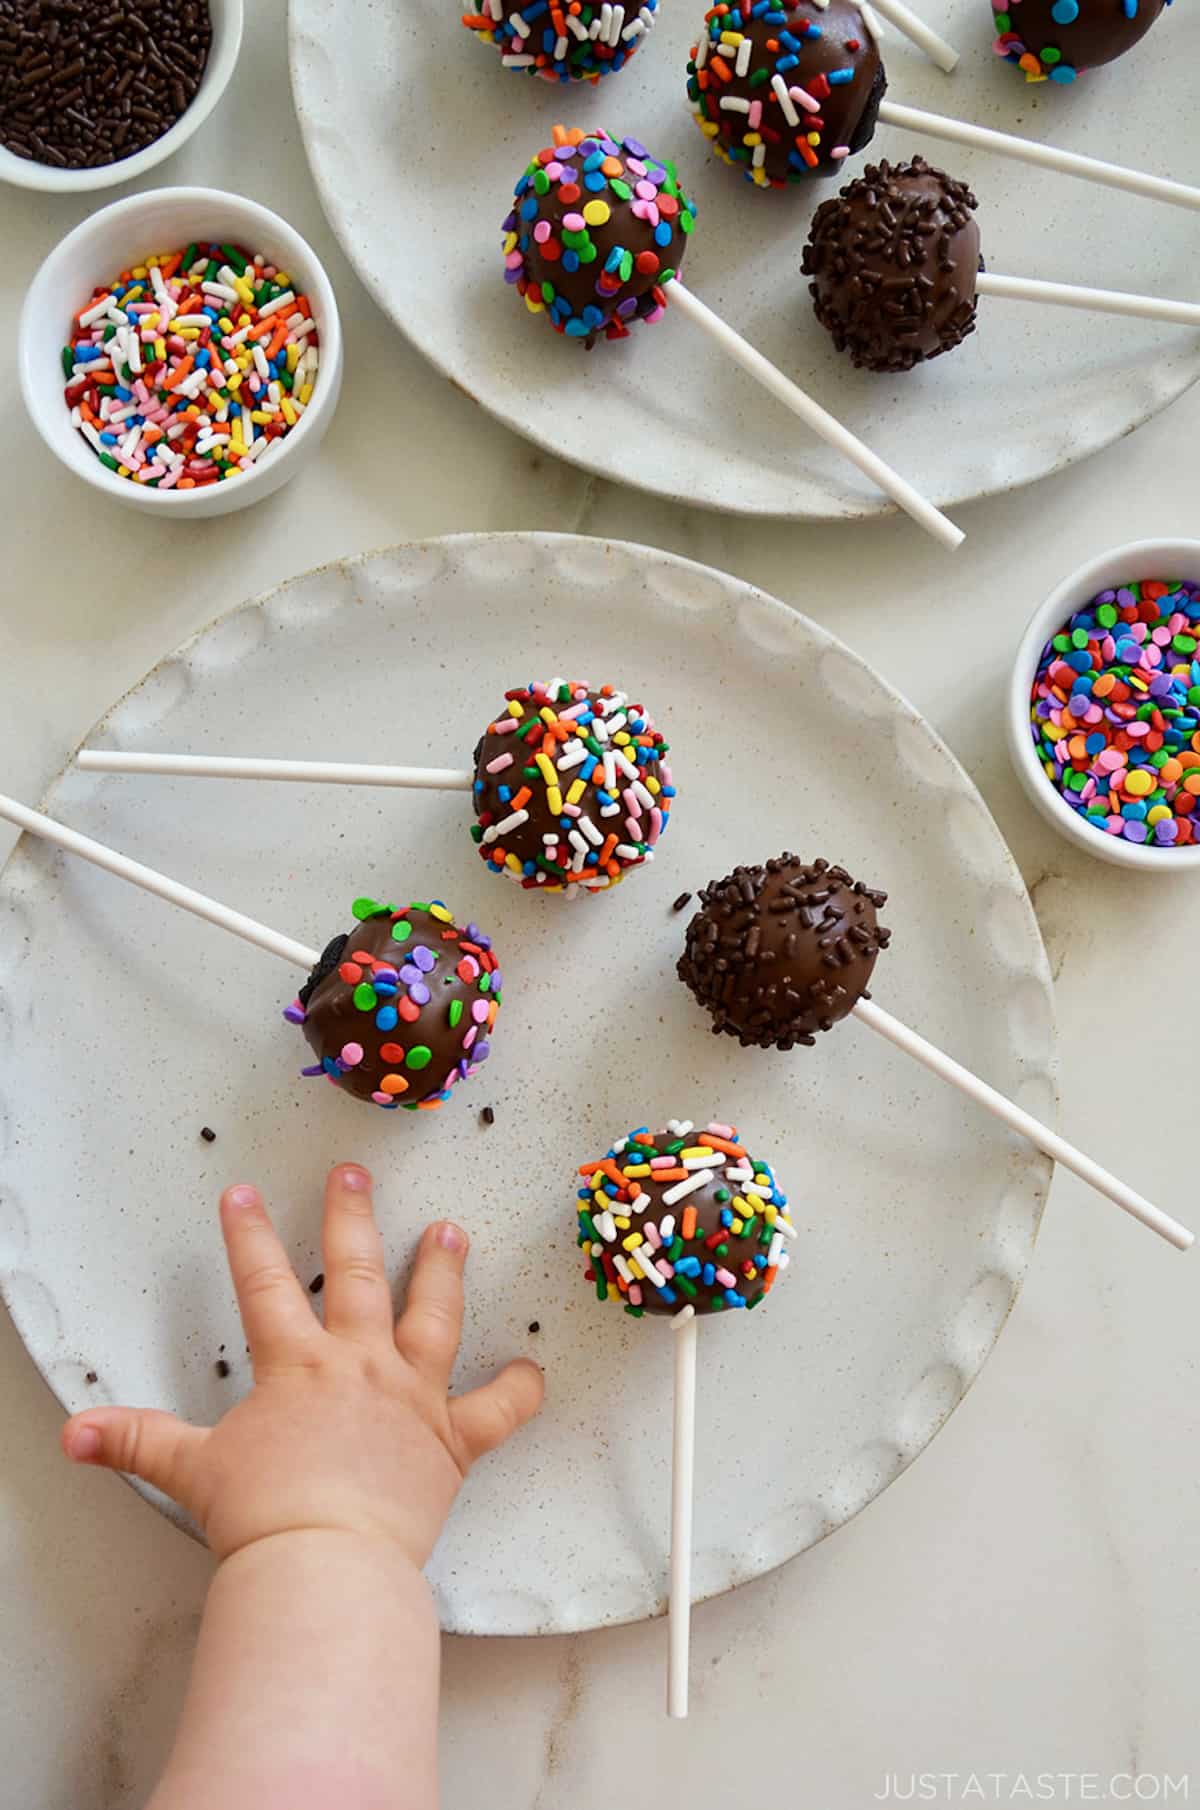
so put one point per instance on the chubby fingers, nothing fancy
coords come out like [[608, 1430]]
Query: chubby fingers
[[487, 1416], [280, 1326], [143, 1442], [358, 1301], [429, 1330]]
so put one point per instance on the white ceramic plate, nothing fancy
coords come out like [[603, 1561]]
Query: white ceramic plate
[[416, 136], [126, 1026]]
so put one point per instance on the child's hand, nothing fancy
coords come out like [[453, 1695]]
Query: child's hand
[[349, 1426]]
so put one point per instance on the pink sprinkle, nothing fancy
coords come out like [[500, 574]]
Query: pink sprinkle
[[507, 724], [804, 99], [574, 223], [470, 1037], [646, 191], [754, 117], [662, 1162], [479, 1011], [498, 765], [635, 1294], [541, 232], [352, 1054], [651, 1234], [727, 1279], [630, 802], [1109, 759], [840, 151], [655, 830], [722, 1131], [382, 1099]]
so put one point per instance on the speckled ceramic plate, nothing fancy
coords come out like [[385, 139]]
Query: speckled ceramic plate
[[126, 1026], [416, 135]]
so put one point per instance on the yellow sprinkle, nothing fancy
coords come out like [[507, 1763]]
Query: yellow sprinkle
[[651, 783], [770, 1212], [547, 715], [225, 324], [576, 791], [596, 213], [139, 270], [631, 1243], [244, 290], [160, 350], [534, 303], [510, 243], [260, 417], [441, 914], [695, 1150], [1053, 731], [1158, 813], [710, 131], [735, 1226], [554, 801], [764, 1181], [622, 1221], [289, 413], [293, 357], [306, 391], [622, 738], [814, 138], [511, 862], [545, 767], [188, 332], [636, 1171], [514, 709]]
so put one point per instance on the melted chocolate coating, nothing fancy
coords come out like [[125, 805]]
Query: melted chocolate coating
[[827, 54], [598, 226], [780, 952], [555, 839], [894, 259], [1059, 39], [719, 1263], [432, 986]]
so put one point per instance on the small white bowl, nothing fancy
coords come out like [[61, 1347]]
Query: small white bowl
[[121, 235], [1138, 560], [227, 21]]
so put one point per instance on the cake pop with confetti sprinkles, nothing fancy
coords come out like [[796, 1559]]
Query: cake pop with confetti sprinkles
[[401, 1009], [779, 952], [1115, 712], [682, 1219], [572, 787], [598, 227], [562, 40], [1057, 40], [789, 91]]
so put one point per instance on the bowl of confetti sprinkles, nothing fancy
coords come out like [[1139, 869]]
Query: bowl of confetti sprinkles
[[1104, 712], [93, 94], [182, 350]]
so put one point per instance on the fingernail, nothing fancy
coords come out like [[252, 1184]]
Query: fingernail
[[83, 1445], [245, 1194], [451, 1237], [355, 1177]]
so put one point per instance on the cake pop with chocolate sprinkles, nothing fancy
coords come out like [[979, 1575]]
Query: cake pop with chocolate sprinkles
[[679, 1218], [562, 40], [401, 1008], [598, 227], [1057, 40], [780, 952], [789, 91], [572, 788], [894, 260]]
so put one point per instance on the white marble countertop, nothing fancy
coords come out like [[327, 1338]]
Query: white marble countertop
[[1026, 1599]]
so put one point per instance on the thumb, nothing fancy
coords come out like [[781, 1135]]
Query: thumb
[[489, 1415], [145, 1443]]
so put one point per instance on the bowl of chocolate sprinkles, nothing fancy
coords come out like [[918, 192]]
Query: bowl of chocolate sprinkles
[[93, 92]]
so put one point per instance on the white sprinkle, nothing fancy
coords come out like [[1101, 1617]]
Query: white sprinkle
[[606, 1225], [512, 822], [731, 103], [591, 832], [666, 1227], [779, 89], [92, 314], [622, 1268], [276, 303], [560, 49], [682, 1189], [702, 51], [742, 65], [615, 26], [572, 756], [632, 31], [773, 1250], [578, 30], [760, 156], [223, 290], [646, 1265], [712, 1161]]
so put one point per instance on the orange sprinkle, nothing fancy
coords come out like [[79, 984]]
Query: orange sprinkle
[[711, 1141], [688, 1228]]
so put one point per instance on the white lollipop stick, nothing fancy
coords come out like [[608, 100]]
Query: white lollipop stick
[[150, 881], [683, 1467], [1012, 1115], [814, 416], [915, 29], [234, 766], [1099, 301], [1025, 150]]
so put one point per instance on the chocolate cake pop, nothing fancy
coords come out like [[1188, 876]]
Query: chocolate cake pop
[[894, 260], [598, 226], [777, 953], [401, 1008], [571, 787], [682, 1218], [789, 93], [1057, 40], [562, 40]]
